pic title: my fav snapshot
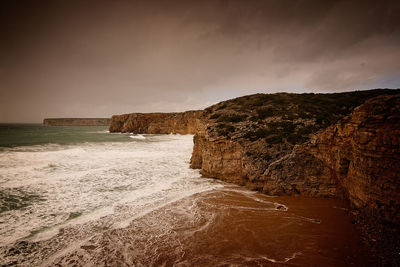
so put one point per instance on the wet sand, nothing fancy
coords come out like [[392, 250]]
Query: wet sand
[[228, 227], [139, 204]]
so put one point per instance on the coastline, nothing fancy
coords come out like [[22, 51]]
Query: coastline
[[76, 121], [340, 145], [227, 226]]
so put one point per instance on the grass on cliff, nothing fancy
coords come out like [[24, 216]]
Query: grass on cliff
[[284, 116], [225, 129]]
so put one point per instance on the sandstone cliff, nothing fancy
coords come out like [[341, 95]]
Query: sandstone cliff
[[258, 141], [285, 144], [351, 158], [356, 158], [318, 145], [188, 122], [363, 154], [77, 122]]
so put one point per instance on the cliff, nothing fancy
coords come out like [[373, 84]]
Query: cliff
[[188, 122], [255, 141], [343, 145], [280, 151], [363, 153], [76, 122]]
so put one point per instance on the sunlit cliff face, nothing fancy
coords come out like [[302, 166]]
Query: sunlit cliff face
[[97, 58]]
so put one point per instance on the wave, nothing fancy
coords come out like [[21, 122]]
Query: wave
[[94, 180], [138, 136]]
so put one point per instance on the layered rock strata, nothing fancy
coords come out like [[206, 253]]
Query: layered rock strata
[[357, 158], [280, 169], [317, 145], [363, 154], [282, 144], [188, 122]]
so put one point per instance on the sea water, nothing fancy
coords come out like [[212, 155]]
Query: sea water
[[84, 196]]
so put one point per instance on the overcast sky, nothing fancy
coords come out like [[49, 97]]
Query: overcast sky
[[98, 58]]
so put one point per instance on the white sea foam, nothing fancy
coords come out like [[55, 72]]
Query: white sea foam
[[138, 136], [86, 184], [285, 260]]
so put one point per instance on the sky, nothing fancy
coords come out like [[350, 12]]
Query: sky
[[98, 58]]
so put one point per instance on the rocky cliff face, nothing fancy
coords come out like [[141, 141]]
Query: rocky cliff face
[[77, 122], [318, 145], [222, 159], [363, 153], [188, 122], [281, 169], [357, 158], [261, 138]]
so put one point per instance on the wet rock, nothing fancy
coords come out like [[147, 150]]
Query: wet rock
[[316, 220], [281, 207]]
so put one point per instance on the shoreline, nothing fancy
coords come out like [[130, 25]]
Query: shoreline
[[230, 225]]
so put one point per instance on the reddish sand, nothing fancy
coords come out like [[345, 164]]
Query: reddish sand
[[231, 227], [224, 227]]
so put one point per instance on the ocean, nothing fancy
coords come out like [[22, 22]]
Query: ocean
[[81, 196]]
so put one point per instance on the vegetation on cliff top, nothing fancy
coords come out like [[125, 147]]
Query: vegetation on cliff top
[[284, 117]]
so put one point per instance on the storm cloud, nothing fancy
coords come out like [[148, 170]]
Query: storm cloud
[[98, 58]]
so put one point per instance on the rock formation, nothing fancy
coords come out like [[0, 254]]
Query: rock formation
[[188, 122], [363, 154], [262, 145], [76, 122], [357, 158], [317, 145]]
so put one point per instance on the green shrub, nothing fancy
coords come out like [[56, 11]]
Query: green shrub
[[289, 116], [232, 118], [253, 118], [305, 130], [284, 126], [265, 113], [274, 139], [221, 106], [225, 129], [257, 134], [215, 116], [325, 109]]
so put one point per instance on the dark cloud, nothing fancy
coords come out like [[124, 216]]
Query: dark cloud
[[97, 58]]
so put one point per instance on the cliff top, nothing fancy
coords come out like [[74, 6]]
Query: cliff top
[[283, 117]]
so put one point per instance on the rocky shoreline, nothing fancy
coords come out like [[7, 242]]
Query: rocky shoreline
[[317, 145]]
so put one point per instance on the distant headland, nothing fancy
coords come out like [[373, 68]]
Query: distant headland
[[76, 121]]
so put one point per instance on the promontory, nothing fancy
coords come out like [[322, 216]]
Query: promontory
[[76, 122], [340, 145]]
